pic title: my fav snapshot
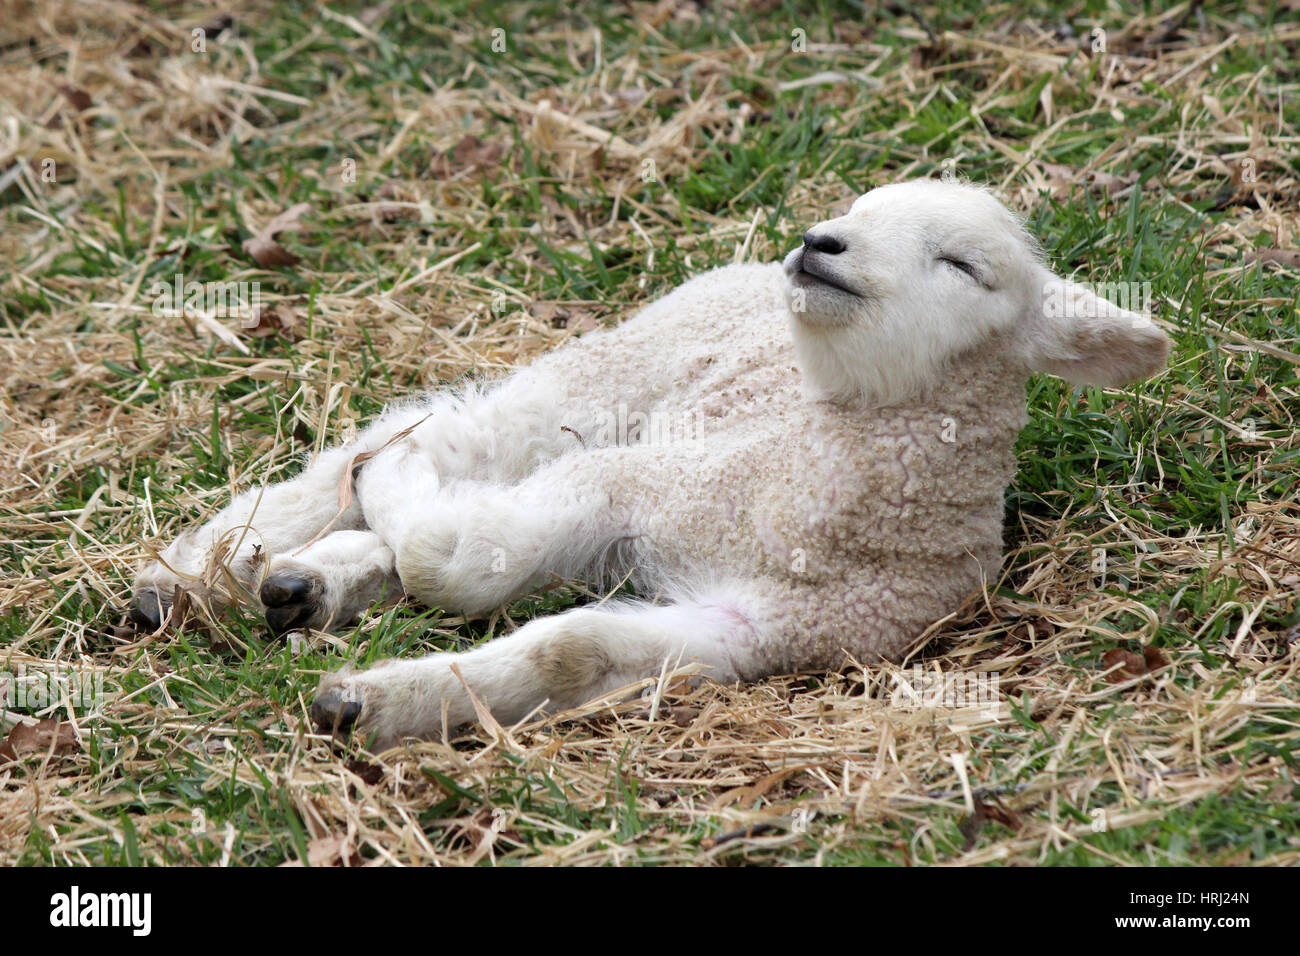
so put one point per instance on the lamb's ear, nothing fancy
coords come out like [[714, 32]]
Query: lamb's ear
[[1088, 340]]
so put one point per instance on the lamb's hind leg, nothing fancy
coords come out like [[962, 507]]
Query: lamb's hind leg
[[224, 559], [476, 545], [554, 662], [468, 442]]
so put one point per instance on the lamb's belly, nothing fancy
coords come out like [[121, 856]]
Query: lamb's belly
[[706, 516], [756, 512]]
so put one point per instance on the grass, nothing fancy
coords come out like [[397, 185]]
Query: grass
[[603, 170]]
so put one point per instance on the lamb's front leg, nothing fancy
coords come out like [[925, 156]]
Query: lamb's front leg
[[552, 663], [329, 582]]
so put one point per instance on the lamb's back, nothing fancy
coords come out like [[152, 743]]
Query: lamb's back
[[713, 340]]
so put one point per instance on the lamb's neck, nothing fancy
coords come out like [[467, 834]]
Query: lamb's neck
[[982, 386]]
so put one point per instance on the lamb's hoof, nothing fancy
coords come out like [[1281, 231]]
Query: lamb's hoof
[[332, 714], [148, 609], [292, 599]]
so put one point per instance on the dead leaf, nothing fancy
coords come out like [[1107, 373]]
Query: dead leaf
[[1153, 659], [264, 248], [329, 851], [683, 716], [1131, 665], [1281, 257], [179, 610], [746, 796], [39, 738], [370, 773], [1061, 179], [549, 312], [987, 813], [218, 25], [142, 46], [349, 477], [470, 154], [280, 318], [1112, 183], [79, 99], [559, 316]]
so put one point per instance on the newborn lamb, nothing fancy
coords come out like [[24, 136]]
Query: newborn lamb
[[792, 462]]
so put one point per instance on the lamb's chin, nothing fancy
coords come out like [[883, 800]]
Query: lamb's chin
[[821, 307]]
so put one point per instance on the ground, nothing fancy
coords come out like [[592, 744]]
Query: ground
[[480, 189]]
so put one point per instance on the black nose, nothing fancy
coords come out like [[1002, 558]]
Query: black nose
[[147, 609], [827, 244]]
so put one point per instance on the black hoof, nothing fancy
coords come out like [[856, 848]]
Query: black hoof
[[332, 714], [148, 609], [291, 600]]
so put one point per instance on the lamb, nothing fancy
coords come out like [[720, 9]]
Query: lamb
[[841, 430]]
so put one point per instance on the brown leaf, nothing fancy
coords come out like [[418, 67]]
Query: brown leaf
[[371, 773], [264, 249], [179, 609], [346, 489], [79, 99], [987, 813], [141, 46], [747, 796], [1061, 179], [1281, 257], [329, 851], [39, 738], [683, 716], [581, 320], [549, 312], [924, 55], [471, 154], [218, 24], [564, 316], [1153, 659], [1129, 665], [278, 319], [1112, 183]]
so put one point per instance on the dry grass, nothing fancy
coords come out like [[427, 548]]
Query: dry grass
[[498, 208]]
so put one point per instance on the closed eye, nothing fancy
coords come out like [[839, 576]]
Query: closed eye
[[962, 266]]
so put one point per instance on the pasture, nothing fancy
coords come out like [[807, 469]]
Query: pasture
[[462, 188]]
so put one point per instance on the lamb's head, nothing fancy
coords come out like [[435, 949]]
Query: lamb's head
[[917, 275]]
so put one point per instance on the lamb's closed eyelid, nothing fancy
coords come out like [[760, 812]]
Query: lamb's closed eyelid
[[966, 265]]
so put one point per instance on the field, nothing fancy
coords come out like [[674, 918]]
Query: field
[[463, 191]]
